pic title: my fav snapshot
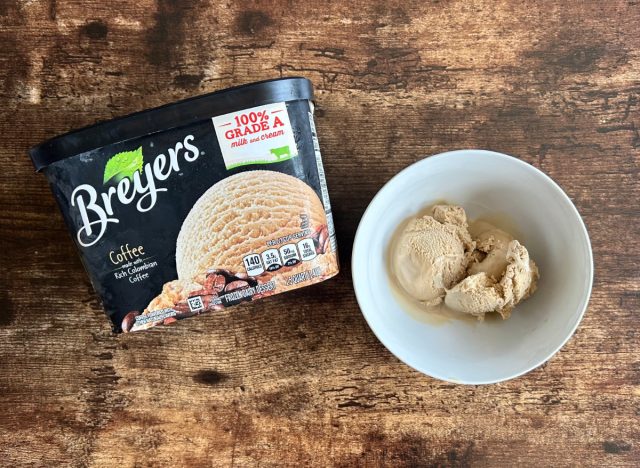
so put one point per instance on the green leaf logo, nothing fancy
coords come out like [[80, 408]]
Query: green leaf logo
[[123, 165]]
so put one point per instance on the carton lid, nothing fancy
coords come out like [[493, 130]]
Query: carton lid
[[169, 116]]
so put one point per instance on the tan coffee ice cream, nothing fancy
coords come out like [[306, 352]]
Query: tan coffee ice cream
[[239, 215], [494, 243], [493, 290], [475, 295], [432, 253], [520, 277], [476, 271]]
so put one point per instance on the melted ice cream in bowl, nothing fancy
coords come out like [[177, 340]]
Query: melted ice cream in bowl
[[472, 266]]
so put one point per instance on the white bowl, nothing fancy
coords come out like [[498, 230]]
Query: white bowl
[[486, 184]]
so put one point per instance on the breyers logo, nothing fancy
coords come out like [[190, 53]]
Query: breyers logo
[[126, 180]]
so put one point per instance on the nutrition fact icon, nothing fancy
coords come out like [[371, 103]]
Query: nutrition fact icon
[[253, 264], [307, 249], [271, 260], [289, 255]]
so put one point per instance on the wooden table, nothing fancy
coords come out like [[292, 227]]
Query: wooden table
[[299, 379]]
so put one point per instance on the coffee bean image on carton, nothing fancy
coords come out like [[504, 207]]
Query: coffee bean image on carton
[[221, 245]]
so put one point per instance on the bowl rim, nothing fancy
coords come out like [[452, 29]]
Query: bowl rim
[[511, 159]]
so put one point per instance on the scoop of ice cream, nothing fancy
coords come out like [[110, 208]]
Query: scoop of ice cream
[[492, 244], [239, 215], [451, 214], [520, 277], [476, 295], [432, 253], [481, 293]]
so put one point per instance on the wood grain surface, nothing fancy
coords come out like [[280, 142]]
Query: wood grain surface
[[299, 379]]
